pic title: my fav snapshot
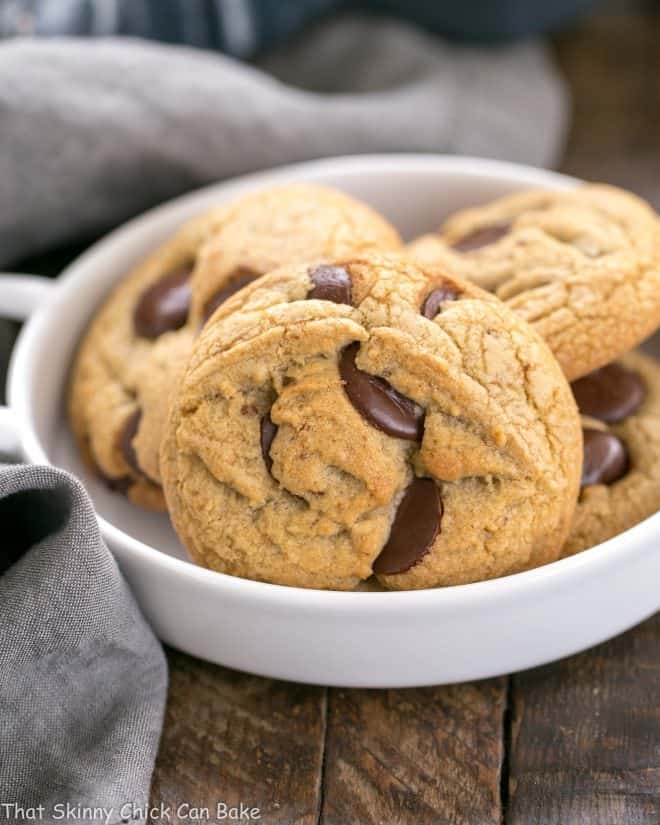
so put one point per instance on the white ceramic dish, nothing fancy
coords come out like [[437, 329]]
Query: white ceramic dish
[[349, 639]]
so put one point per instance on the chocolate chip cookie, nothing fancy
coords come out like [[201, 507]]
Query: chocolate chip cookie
[[131, 356], [620, 405], [370, 416], [582, 266]]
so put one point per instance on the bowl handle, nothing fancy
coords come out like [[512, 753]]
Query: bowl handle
[[10, 444], [20, 296]]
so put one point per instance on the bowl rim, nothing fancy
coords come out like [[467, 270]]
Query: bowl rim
[[614, 551]]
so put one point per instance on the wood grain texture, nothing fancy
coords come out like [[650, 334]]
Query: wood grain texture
[[612, 65], [414, 756], [237, 738], [585, 744]]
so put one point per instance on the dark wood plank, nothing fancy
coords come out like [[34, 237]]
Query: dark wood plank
[[233, 738], [612, 65], [586, 736], [414, 756]]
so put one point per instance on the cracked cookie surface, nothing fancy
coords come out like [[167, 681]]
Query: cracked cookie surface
[[582, 266], [370, 415], [138, 343], [621, 476]]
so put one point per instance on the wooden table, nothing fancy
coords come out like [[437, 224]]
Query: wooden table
[[575, 742]]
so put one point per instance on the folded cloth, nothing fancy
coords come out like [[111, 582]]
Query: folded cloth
[[83, 680], [92, 132], [243, 27]]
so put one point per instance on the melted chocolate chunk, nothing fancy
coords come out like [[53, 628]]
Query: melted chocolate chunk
[[268, 433], [605, 458], [414, 529], [126, 437], [609, 394], [484, 236], [378, 402], [164, 306], [434, 300], [240, 277], [121, 485], [331, 283]]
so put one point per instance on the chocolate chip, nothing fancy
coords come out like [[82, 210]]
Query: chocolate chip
[[163, 307], [239, 278], [126, 437], [605, 458], [378, 402], [268, 433], [440, 295], [414, 529], [609, 394], [331, 283], [121, 484], [484, 236]]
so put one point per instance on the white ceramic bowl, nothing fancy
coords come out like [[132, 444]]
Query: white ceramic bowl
[[350, 639]]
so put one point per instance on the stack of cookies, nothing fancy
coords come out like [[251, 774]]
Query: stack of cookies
[[317, 405]]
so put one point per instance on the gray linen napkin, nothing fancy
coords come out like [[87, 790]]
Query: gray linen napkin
[[83, 680], [92, 132]]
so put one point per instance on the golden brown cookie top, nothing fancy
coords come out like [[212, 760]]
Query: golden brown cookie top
[[620, 406], [280, 226], [583, 266], [136, 346], [365, 415]]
